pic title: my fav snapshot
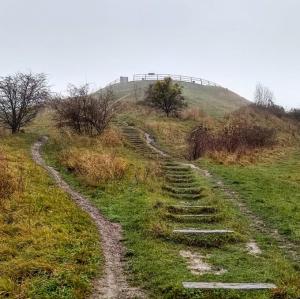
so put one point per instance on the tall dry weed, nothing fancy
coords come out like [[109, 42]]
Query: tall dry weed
[[111, 138], [95, 168], [10, 180]]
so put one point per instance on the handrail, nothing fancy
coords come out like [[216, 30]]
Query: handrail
[[158, 77]]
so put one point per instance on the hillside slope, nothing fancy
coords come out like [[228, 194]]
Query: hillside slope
[[213, 100]]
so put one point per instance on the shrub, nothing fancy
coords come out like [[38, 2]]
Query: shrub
[[294, 114], [95, 168], [200, 141], [241, 134], [111, 138], [235, 136], [84, 113]]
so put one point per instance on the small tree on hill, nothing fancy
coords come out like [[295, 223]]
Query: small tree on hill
[[20, 96], [166, 96], [265, 99]]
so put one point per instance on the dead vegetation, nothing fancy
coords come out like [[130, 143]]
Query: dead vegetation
[[85, 113], [246, 133], [95, 168], [10, 180]]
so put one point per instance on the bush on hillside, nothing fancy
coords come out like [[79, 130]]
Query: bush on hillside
[[233, 137], [84, 113], [294, 114]]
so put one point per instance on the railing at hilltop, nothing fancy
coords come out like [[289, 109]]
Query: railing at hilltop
[[157, 77]]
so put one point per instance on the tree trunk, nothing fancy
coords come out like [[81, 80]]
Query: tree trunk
[[14, 130]]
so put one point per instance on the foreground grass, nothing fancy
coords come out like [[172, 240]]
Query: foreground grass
[[49, 248], [271, 190], [153, 258]]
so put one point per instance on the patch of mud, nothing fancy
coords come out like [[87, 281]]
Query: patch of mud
[[113, 284], [253, 248], [198, 266]]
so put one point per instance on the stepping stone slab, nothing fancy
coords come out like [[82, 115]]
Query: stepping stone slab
[[186, 195], [192, 218], [177, 167], [178, 209], [181, 190], [232, 286], [180, 179], [179, 175], [202, 231]]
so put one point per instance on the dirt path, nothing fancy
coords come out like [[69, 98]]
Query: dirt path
[[113, 284]]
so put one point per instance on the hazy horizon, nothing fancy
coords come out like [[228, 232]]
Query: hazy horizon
[[233, 43]]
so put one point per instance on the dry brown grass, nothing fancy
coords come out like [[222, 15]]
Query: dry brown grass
[[171, 133], [10, 180], [111, 137], [95, 168], [287, 137], [147, 174], [195, 114]]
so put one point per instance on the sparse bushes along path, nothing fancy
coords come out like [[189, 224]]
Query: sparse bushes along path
[[113, 284]]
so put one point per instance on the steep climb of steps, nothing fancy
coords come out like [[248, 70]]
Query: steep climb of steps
[[181, 184], [136, 140]]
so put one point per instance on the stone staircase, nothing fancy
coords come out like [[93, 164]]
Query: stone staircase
[[195, 224]]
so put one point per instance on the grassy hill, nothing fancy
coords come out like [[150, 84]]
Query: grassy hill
[[213, 100]]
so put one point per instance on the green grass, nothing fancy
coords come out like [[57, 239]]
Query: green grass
[[271, 190], [215, 101], [49, 248], [152, 256]]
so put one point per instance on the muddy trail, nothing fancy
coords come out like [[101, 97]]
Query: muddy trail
[[112, 284]]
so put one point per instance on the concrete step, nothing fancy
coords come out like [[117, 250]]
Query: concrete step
[[180, 179], [192, 231], [183, 190], [187, 196], [171, 164], [194, 218], [179, 174], [181, 209], [181, 184], [177, 169], [229, 285]]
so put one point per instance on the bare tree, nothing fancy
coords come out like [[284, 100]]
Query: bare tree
[[265, 99], [85, 113], [20, 96], [263, 96]]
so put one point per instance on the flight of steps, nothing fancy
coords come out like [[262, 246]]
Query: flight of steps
[[138, 142], [181, 184], [188, 215]]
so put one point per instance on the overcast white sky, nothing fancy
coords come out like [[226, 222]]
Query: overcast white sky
[[235, 43]]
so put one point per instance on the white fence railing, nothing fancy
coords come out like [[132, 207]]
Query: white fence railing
[[157, 77]]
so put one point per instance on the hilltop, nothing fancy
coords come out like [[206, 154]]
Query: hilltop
[[213, 100]]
